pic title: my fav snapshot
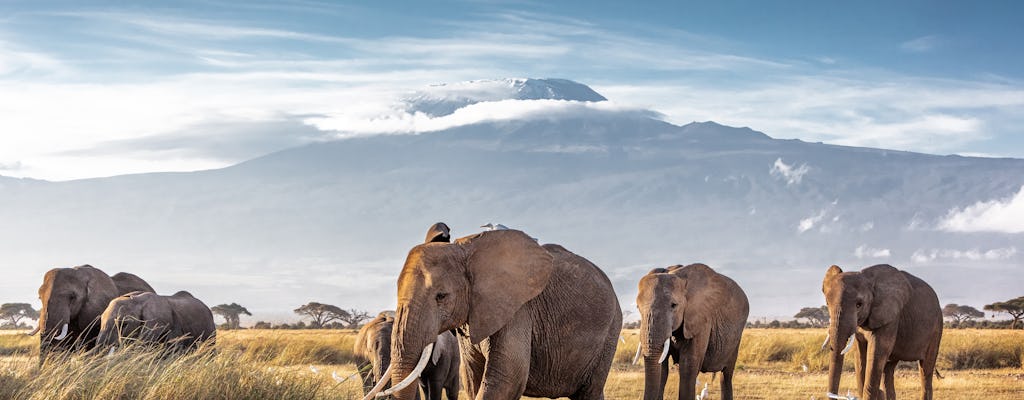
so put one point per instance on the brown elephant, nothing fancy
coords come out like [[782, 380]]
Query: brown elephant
[[533, 320], [698, 316], [180, 320], [73, 300], [893, 316], [373, 346]]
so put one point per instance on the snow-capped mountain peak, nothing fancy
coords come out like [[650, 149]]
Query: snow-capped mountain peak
[[444, 99]]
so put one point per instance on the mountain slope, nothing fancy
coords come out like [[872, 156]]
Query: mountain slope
[[332, 221]]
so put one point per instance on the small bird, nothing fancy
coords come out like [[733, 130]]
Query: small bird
[[703, 392], [805, 368], [339, 379], [494, 227], [315, 371]]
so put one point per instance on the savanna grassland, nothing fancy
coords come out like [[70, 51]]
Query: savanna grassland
[[277, 364]]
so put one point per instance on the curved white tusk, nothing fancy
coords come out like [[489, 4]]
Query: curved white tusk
[[384, 379], [636, 358], [412, 375], [664, 351], [825, 343], [849, 344], [63, 333], [34, 331]]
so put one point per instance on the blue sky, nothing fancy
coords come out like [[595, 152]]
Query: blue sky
[[105, 88]]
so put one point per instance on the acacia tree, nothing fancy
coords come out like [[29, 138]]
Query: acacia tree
[[961, 313], [322, 314], [817, 316], [354, 318], [1014, 307], [231, 313], [15, 312]]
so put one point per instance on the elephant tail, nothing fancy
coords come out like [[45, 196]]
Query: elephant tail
[[938, 375]]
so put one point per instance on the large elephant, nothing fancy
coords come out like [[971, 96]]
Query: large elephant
[[373, 345], [698, 316], [893, 316], [533, 320], [180, 320], [73, 300]]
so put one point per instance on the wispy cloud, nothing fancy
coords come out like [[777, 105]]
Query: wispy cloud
[[1000, 215], [925, 256], [922, 44], [863, 251], [792, 174]]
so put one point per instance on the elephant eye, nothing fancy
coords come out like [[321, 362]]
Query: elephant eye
[[859, 304], [441, 296], [674, 305]]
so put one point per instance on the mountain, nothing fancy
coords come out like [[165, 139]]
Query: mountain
[[332, 221], [443, 99]]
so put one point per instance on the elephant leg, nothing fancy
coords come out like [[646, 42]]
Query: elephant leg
[[508, 363], [927, 367], [725, 382], [451, 390], [879, 349], [471, 369], [860, 364], [890, 377], [691, 355], [433, 388]]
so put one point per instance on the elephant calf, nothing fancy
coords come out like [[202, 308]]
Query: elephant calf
[[373, 345], [180, 320]]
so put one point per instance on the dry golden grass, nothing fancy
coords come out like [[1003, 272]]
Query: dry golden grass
[[265, 364]]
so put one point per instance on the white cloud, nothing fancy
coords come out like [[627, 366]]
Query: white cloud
[[867, 226], [808, 223], [1001, 215], [863, 251], [791, 173], [922, 44], [923, 256]]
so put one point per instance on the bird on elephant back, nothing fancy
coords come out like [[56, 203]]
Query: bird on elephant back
[[73, 299], [373, 347], [532, 320], [180, 322], [697, 316], [891, 316]]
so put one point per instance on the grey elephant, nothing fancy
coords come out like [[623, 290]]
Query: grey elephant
[[181, 320], [373, 346], [695, 314], [73, 300], [892, 316], [532, 320]]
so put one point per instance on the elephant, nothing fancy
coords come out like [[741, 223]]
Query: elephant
[[893, 316], [532, 320], [373, 345], [73, 300], [695, 314], [180, 320]]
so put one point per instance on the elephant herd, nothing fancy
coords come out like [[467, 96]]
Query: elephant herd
[[538, 320], [86, 309], [501, 316]]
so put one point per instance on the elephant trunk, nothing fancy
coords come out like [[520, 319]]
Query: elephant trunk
[[412, 333], [655, 342], [841, 334]]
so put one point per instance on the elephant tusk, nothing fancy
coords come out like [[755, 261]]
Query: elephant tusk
[[380, 384], [34, 331], [664, 351], [849, 344], [63, 333], [825, 343], [412, 375], [636, 358]]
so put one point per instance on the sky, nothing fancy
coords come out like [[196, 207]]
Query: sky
[[91, 89]]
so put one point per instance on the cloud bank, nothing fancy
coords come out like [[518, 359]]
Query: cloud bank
[[1001, 215]]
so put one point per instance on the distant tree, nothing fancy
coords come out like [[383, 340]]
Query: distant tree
[[231, 313], [354, 318], [262, 325], [1014, 307], [961, 313], [15, 312], [816, 316], [322, 314]]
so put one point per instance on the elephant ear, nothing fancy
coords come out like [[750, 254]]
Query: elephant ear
[[890, 292], [693, 284], [438, 232], [507, 269], [156, 313], [99, 290]]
